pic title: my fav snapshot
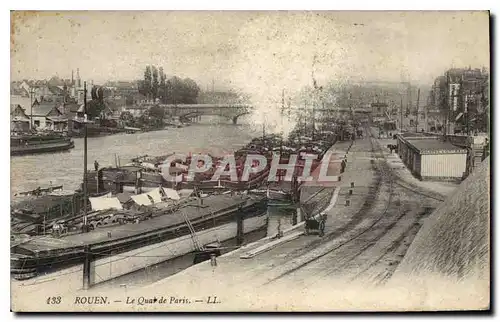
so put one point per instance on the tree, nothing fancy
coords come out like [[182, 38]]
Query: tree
[[190, 91], [147, 82], [175, 90], [172, 91], [140, 87], [154, 83], [163, 86]]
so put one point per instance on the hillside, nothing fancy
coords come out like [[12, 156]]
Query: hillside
[[447, 265], [454, 241]]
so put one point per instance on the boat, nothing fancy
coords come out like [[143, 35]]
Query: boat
[[33, 211], [113, 227], [132, 130], [146, 171], [123, 230], [94, 129], [132, 177], [39, 143], [39, 191], [174, 124]]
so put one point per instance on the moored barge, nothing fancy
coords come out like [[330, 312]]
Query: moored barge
[[31, 144], [40, 254]]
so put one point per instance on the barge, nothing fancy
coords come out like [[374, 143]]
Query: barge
[[31, 256], [31, 144]]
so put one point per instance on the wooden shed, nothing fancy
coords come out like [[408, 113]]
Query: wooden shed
[[432, 158]]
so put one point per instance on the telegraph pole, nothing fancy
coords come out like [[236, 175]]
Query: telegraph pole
[[85, 224]]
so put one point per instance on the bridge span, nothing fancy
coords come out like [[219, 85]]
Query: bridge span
[[234, 111]]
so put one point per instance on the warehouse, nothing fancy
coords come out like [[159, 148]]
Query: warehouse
[[432, 158]]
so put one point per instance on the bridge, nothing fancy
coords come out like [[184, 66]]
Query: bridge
[[234, 111], [191, 111]]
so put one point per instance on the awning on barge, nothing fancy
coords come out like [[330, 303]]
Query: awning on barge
[[103, 203], [171, 194], [149, 198]]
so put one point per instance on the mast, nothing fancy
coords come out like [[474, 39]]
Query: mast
[[304, 117], [282, 114], [313, 121], [283, 101], [416, 113], [466, 112], [31, 107], [401, 116], [85, 225], [289, 107]]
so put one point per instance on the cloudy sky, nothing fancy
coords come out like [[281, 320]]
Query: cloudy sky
[[253, 51]]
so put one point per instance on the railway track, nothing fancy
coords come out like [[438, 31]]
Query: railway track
[[387, 212], [418, 190]]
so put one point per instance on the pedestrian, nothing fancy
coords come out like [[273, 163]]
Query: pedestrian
[[96, 165]]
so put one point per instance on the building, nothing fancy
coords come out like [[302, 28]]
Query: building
[[48, 117], [431, 158], [17, 90], [19, 121], [462, 96]]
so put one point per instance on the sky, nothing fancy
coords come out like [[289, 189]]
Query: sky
[[234, 47], [258, 52]]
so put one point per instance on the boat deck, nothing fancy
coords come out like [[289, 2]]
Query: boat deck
[[192, 210], [40, 148]]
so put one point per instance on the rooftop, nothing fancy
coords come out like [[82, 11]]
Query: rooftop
[[43, 109], [434, 146], [413, 134]]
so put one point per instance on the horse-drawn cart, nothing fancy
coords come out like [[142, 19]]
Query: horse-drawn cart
[[315, 225]]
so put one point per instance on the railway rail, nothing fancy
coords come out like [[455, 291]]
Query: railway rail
[[390, 204]]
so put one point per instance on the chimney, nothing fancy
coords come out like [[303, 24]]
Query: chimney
[[78, 80]]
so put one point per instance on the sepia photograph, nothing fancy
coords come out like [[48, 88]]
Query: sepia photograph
[[250, 161]]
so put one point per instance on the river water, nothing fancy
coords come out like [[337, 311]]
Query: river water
[[209, 136], [66, 168]]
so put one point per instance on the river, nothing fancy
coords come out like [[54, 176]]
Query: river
[[66, 168]]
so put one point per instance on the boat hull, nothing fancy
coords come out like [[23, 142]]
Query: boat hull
[[42, 148], [112, 267], [57, 259]]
